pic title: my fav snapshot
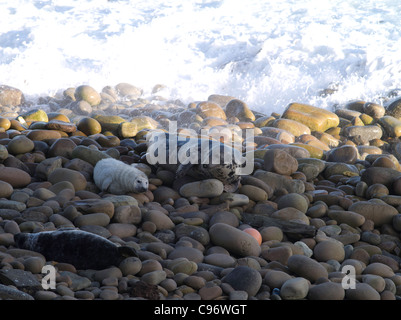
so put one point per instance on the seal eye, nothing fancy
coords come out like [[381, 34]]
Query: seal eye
[[204, 165]]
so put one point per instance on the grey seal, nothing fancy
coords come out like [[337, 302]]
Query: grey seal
[[82, 249]]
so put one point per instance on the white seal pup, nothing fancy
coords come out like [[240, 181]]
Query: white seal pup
[[117, 177], [82, 249]]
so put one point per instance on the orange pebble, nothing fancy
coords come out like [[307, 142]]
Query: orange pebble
[[254, 233]]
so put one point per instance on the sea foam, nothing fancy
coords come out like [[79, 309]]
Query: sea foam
[[267, 53]]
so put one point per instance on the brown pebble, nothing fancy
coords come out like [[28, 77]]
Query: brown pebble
[[210, 293]]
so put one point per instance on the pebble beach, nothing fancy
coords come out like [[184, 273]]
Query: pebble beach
[[324, 196]]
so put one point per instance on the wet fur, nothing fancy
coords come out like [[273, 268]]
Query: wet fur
[[82, 249], [114, 176]]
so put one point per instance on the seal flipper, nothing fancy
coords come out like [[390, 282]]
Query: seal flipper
[[107, 183], [126, 251]]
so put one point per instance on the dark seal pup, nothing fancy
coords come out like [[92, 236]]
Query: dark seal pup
[[82, 249], [209, 165]]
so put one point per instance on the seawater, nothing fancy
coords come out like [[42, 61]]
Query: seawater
[[267, 53]]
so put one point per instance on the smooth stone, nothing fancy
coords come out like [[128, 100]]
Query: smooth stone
[[280, 254], [227, 218], [326, 291], [379, 269], [127, 214], [182, 265], [381, 175], [234, 240], [90, 155], [163, 193], [154, 277], [210, 293], [363, 134], [350, 218], [293, 200], [391, 125], [75, 177], [93, 206], [81, 107], [208, 188], [276, 278], [109, 123], [77, 282], [244, 278], [11, 227], [307, 268], [6, 189], [253, 193], [280, 161], [89, 126], [62, 147], [88, 94], [98, 219], [47, 166], [238, 295], [278, 182], [34, 264], [60, 186], [317, 119], [122, 230], [20, 144], [329, 250], [239, 109], [374, 281], [43, 135], [292, 126], [289, 214], [121, 200], [294, 289], [191, 254], [234, 199], [3, 152], [11, 96], [379, 212], [130, 266], [220, 260], [338, 168], [63, 126], [128, 90], [346, 154], [12, 205], [35, 115], [271, 233], [17, 178], [45, 295], [6, 239], [161, 220], [362, 291]]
